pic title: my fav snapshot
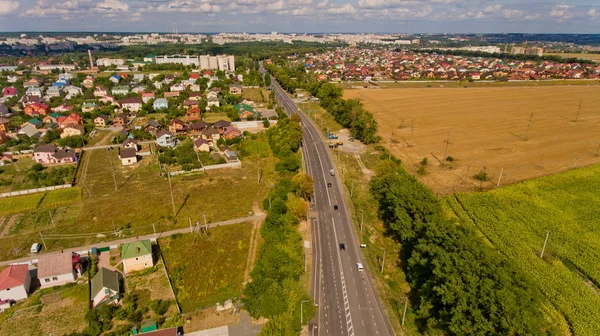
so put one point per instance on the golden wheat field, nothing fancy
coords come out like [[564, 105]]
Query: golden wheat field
[[488, 128]]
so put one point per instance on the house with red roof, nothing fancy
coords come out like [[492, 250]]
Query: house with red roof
[[9, 92], [14, 283], [70, 120]]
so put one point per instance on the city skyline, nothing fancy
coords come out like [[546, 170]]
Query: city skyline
[[310, 16]]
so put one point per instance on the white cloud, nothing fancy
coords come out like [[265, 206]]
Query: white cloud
[[562, 12], [183, 6], [109, 6], [8, 7], [592, 13], [344, 9]]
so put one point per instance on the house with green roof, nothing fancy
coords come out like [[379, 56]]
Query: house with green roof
[[244, 111], [105, 287], [37, 123], [137, 256]]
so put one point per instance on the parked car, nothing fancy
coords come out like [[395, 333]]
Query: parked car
[[35, 248], [342, 247]]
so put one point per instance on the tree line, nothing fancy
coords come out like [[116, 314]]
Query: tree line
[[461, 286], [276, 291], [349, 113]]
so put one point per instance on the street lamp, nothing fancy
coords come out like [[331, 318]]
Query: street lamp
[[301, 313], [362, 220]]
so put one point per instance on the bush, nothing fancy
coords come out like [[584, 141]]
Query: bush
[[424, 162], [482, 176], [421, 171], [159, 307], [450, 159]]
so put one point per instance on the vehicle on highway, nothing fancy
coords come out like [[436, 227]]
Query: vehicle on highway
[[363, 245], [335, 207], [342, 247], [360, 267], [329, 185], [332, 172]]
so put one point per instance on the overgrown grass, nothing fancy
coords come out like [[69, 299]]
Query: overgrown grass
[[46, 200], [204, 270], [57, 311]]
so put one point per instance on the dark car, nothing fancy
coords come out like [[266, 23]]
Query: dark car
[[335, 207], [342, 246], [328, 185]]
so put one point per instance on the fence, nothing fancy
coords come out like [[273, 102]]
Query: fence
[[33, 191], [27, 151], [212, 167]]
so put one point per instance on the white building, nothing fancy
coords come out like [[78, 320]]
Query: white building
[[221, 62], [110, 61], [14, 283], [174, 59], [57, 269]]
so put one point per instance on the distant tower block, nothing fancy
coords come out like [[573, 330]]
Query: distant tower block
[[91, 60]]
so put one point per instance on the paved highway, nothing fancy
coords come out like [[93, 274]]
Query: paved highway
[[347, 299]]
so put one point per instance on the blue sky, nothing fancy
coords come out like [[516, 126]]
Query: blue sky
[[408, 16]]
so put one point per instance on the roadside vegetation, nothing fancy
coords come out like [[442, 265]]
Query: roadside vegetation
[[276, 289]]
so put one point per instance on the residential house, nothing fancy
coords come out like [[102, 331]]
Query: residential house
[[9, 92], [132, 104], [73, 91], [65, 75], [147, 96], [51, 118], [108, 99], [196, 129], [50, 154], [211, 134], [30, 131], [245, 111], [128, 156], [4, 111], [6, 159], [195, 88], [213, 101], [177, 126], [62, 108], [138, 77], [164, 138], [193, 114], [105, 287], [34, 82], [152, 127], [53, 91], [139, 89], [100, 91], [14, 283], [189, 103], [130, 143], [28, 100], [201, 145], [220, 125], [4, 122], [35, 91], [171, 94], [137, 256], [58, 269], [231, 133], [235, 89], [197, 96], [160, 103], [119, 90], [177, 87], [120, 120], [36, 109], [88, 82], [12, 79], [72, 130], [72, 119], [33, 122], [115, 79], [3, 137], [89, 107], [101, 120]]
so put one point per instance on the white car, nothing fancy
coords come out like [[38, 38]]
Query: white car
[[35, 248], [360, 267]]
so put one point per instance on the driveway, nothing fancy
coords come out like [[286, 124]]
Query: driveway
[[245, 327]]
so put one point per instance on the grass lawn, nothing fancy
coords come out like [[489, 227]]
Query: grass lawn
[[56, 311], [255, 95], [209, 270], [141, 200], [591, 57], [211, 117], [102, 137], [151, 284], [457, 84]]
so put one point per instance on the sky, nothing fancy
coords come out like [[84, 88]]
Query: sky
[[303, 16]]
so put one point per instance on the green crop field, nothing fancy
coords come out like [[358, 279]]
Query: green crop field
[[516, 220], [204, 270]]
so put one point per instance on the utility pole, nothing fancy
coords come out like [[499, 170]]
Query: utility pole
[[447, 144], [52, 219], [598, 150], [112, 170], [154, 229], [529, 127], [190, 221], [257, 167], [43, 242], [500, 177], [114, 228], [383, 261], [542, 161], [544, 248], [352, 189], [362, 220], [171, 191], [405, 306], [578, 110], [412, 129]]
